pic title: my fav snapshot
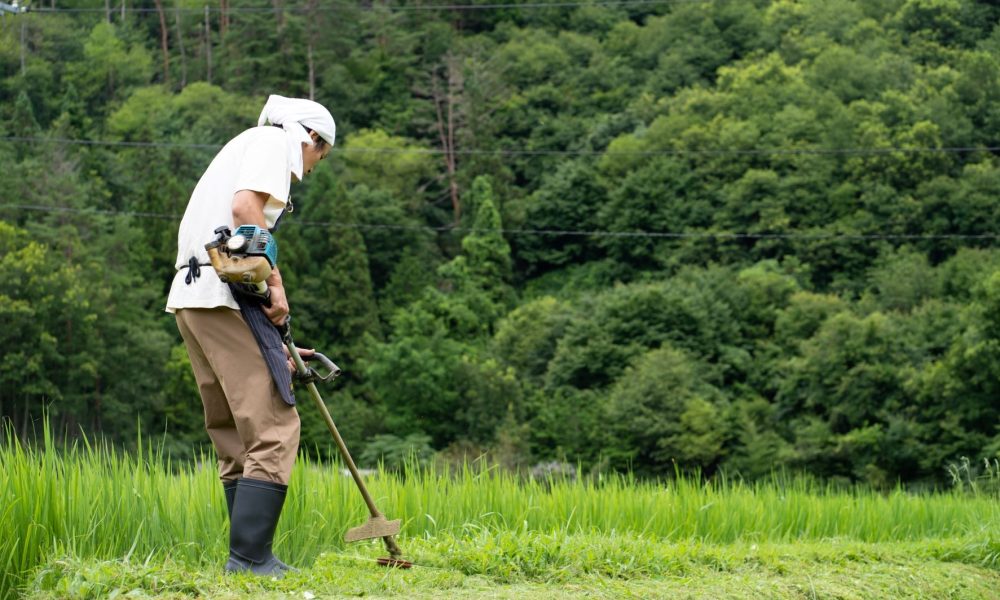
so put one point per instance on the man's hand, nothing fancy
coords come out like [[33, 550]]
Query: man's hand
[[278, 311], [305, 353]]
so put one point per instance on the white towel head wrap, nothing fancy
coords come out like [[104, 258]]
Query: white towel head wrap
[[294, 115]]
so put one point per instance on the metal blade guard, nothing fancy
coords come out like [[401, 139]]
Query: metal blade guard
[[374, 527]]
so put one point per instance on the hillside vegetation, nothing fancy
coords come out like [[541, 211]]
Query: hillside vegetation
[[731, 235]]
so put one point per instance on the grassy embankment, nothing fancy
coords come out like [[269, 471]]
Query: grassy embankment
[[92, 523]]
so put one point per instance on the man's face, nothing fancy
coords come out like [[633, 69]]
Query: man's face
[[311, 155]]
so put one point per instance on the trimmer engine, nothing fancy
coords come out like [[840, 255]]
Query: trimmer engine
[[245, 257]]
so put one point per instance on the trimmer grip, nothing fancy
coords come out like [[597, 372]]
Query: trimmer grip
[[333, 370]]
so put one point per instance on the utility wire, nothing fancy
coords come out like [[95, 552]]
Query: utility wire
[[373, 7], [543, 232], [82, 142], [505, 152]]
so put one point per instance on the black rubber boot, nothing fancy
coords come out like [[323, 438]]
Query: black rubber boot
[[256, 509], [229, 486]]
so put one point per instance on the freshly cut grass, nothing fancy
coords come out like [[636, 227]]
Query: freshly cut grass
[[523, 565], [98, 504]]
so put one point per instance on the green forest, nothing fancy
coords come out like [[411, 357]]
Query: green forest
[[713, 236]]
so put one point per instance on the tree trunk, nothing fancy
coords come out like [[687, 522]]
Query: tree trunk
[[446, 106], [163, 41], [24, 25], [454, 88], [180, 45], [279, 14], [223, 19], [310, 33], [438, 99], [312, 73], [208, 46]]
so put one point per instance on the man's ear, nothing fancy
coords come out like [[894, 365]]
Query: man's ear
[[314, 136]]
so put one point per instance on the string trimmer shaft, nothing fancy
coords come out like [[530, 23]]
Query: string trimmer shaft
[[377, 526]]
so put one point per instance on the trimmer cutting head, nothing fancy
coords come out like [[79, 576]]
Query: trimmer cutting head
[[380, 527], [375, 527], [394, 563]]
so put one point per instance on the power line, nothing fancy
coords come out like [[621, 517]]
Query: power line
[[546, 232], [408, 8], [83, 142], [90, 211], [512, 152]]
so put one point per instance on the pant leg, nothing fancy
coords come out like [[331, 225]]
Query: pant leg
[[219, 422], [268, 428]]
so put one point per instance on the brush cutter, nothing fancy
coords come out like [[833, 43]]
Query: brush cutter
[[377, 526]]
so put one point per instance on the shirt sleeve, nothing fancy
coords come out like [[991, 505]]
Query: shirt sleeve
[[265, 168]]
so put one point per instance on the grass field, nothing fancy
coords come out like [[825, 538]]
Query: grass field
[[92, 523]]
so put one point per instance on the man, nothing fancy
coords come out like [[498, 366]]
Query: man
[[231, 340]]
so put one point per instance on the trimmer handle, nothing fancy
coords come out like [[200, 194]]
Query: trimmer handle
[[311, 374], [332, 370]]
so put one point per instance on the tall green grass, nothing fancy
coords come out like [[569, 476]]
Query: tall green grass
[[96, 502]]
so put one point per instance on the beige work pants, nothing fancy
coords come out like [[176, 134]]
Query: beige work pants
[[254, 432]]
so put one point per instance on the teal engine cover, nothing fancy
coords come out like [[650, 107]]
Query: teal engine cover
[[259, 242]]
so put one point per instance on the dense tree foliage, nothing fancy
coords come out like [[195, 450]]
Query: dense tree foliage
[[731, 235]]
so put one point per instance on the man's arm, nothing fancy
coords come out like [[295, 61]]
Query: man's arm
[[248, 209]]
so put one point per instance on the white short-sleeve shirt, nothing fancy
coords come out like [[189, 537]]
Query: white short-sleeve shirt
[[257, 160]]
